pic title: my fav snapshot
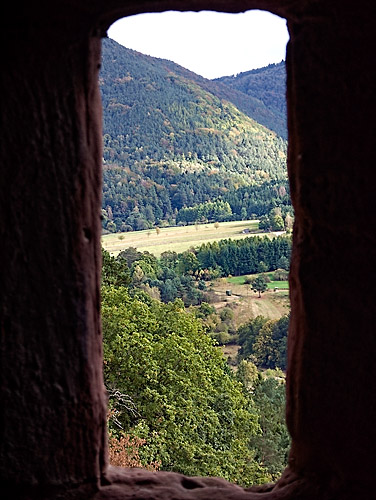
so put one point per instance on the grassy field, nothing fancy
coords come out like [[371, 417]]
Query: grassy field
[[237, 280], [179, 239], [281, 285], [245, 303], [240, 280]]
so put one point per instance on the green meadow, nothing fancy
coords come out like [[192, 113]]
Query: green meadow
[[240, 280]]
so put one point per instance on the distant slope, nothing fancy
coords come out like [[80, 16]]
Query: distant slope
[[255, 95], [169, 142], [265, 84]]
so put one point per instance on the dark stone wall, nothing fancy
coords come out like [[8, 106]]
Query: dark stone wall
[[52, 414], [332, 341], [52, 399]]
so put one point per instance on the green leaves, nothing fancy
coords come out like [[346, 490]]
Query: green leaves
[[210, 210], [195, 417], [273, 444], [244, 256], [259, 285], [264, 342], [114, 271]]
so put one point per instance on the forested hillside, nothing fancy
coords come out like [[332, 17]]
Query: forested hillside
[[174, 140], [267, 85], [259, 93]]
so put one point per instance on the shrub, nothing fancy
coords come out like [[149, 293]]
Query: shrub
[[226, 314], [280, 275], [222, 338], [124, 452]]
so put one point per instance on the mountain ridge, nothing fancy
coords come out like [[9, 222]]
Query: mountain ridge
[[266, 84], [171, 143], [231, 88]]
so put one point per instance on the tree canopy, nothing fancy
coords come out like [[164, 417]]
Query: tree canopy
[[195, 416], [259, 285], [264, 341]]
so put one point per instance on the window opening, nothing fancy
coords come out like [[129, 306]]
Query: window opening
[[197, 223]]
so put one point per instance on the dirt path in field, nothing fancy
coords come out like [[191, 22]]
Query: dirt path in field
[[246, 304]]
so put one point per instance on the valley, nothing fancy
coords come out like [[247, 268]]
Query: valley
[[196, 244], [174, 141]]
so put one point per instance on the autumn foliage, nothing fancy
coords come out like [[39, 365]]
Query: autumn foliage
[[124, 452]]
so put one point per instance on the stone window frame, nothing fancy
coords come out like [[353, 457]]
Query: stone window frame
[[52, 386]]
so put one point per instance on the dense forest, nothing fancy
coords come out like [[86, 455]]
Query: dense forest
[[173, 140], [247, 256], [267, 85], [175, 404]]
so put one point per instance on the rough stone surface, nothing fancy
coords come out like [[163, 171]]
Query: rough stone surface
[[52, 395], [141, 484], [332, 343], [52, 414]]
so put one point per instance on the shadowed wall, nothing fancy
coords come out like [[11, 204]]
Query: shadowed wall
[[53, 412]]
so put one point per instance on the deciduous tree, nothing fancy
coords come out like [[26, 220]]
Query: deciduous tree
[[259, 285], [194, 416]]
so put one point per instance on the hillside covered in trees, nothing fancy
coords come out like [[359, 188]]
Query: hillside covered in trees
[[267, 85], [174, 140]]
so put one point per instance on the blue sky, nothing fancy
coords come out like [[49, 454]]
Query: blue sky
[[211, 44]]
